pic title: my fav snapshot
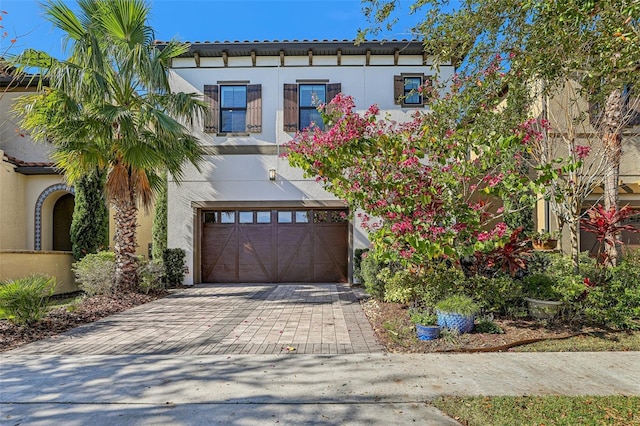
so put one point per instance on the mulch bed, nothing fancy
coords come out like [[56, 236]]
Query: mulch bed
[[61, 319], [395, 331]]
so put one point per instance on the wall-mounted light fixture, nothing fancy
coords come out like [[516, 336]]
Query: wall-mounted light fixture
[[272, 174]]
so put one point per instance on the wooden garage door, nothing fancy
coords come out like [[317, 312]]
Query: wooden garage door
[[283, 245]]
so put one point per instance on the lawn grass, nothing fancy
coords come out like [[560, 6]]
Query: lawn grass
[[593, 342], [542, 410]]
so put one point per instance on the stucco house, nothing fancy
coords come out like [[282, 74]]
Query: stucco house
[[574, 121], [247, 216], [36, 205]]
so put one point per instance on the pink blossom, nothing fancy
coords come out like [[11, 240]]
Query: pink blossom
[[582, 151]]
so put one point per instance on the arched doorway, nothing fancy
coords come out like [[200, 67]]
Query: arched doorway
[[62, 216], [45, 221]]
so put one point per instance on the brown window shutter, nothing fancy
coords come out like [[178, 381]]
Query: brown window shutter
[[290, 107], [212, 98], [398, 89], [426, 82], [332, 90], [254, 108]]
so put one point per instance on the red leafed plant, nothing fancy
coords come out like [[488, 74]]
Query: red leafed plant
[[607, 225], [510, 256]]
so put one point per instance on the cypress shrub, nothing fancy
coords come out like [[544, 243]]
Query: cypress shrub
[[90, 223], [159, 228], [174, 263]]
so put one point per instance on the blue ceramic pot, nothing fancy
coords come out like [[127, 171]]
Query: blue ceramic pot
[[427, 332], [453, 321]]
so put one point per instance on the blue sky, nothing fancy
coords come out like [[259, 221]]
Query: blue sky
[[215, 20]]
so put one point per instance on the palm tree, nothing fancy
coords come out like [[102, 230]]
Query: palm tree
[[109, 106]]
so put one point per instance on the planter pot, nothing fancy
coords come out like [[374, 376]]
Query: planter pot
[[427, 332], [543, 309], [454, 321], [543, 245]]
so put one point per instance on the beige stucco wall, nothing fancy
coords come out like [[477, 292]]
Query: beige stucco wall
[[16, 264], [143, 234], [13, 223]]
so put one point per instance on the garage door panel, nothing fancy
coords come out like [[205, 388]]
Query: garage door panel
[[296, 265], [294, 247]]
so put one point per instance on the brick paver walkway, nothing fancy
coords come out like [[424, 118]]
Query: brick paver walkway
[[227, 319]]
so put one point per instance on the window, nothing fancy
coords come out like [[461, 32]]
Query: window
[[301, 102], [302, 216], [245, 217], [405, 89], [227, 217], [411, 94], [263, 217], [233, 108], [285, 217], [311, 95]]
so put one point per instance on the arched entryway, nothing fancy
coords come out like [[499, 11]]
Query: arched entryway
[[62, 216], [53, 214]]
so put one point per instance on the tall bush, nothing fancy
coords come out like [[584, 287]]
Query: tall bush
[[370, 267], [90, 223], [159, 228], [174, 266], [26, 300]]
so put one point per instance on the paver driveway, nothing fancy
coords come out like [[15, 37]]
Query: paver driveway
[[227, 319]]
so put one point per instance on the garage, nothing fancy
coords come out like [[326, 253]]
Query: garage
[[274, 245]]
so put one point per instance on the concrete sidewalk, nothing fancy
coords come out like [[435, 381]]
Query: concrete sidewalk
[[289, 388]]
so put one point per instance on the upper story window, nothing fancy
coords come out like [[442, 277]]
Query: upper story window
[[411, 94], [234, 108], [311, 95], [405, 89], [301, 101]]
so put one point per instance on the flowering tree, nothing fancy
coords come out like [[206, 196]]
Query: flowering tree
[[569, 160], [429, 187], [596, 43]]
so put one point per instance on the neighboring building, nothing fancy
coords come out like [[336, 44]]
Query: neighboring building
[[36, 205], [572, 117], [247, 216]]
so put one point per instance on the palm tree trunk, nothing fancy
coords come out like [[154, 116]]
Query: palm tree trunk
[[125, 244], [612, 141]]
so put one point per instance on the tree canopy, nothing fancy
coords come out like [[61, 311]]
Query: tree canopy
[[109, 106]]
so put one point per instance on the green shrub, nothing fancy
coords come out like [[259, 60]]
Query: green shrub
[[459, 304], [26, 300], [159, 227], [540, 286], [487, 326], [422, 317], [496, 295], [174, 266], [616, 302], [438, 281], [370, 268], [151, 275], [357, 263], [89, 231], [399, 286], [95, 273]]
